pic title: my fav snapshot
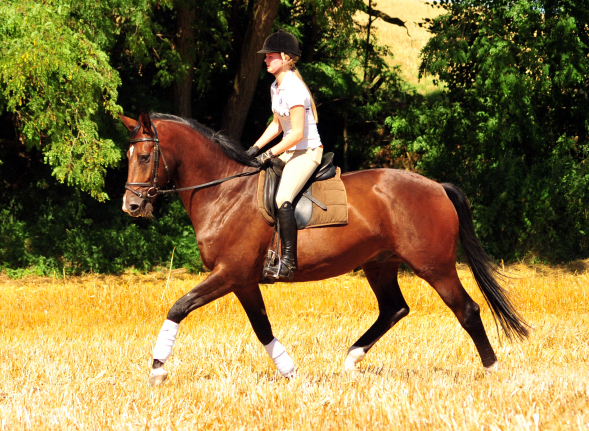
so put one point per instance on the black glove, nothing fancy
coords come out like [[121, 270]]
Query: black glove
[[264, 158], [252, 151]]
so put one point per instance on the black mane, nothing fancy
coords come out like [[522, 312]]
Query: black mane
[[231, 148]]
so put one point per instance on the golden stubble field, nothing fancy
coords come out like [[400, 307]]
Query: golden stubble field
[[75, 354]]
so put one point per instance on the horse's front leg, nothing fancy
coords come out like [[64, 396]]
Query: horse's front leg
[[216, 285], [253, 304]]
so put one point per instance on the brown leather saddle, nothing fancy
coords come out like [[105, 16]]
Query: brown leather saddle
[[303, 203]]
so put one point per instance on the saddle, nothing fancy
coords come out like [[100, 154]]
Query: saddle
[[324, 182]]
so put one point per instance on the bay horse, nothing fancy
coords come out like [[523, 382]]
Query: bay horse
[[395, 217]]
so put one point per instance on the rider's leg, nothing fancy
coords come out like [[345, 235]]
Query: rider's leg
[[299, 167], [288, 233]]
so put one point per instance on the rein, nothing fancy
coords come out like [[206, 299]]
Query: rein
[[154, 190], [211, 183]]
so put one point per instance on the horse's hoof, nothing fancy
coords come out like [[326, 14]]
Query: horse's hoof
[[290, 375], [492, 368], [349, 365], [157, 376], [355, 355]]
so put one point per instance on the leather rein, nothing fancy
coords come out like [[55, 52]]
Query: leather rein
[[153, 189]]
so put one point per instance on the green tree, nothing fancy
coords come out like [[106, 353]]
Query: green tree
[[512, 129], [59, 77], [61, 64], [57, 84]]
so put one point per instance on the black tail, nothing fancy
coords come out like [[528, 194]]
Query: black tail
[[485, 273]]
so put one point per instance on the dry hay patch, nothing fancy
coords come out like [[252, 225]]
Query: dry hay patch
[[76, 355]]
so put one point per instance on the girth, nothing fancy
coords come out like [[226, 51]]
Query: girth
[[304, 201]]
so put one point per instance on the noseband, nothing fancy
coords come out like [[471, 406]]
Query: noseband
[[153, 189]]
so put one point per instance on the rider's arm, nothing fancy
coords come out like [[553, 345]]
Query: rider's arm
[[297, 123], [273, 130]]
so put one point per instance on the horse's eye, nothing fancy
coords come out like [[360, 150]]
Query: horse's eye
[[144, 158]]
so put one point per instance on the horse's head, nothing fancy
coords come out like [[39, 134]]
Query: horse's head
[[145, 173]]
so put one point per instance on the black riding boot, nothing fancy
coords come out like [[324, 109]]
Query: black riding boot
[[288, 233]]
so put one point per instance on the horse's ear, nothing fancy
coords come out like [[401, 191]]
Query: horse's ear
[[128, 122], [145, 123]]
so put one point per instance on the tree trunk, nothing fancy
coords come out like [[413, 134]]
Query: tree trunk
[[250, 66], [185, 42], [309, 50]]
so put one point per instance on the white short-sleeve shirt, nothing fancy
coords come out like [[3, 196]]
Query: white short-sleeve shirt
[[292, 92]]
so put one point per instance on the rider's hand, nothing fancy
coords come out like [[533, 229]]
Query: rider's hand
[[264, 158], [252, 151]]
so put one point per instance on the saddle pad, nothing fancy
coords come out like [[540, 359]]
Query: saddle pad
[[331, 193]]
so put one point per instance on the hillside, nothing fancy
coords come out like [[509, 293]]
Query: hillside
[[406, 43]]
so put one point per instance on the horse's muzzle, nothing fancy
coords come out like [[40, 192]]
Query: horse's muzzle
[[136, 206]]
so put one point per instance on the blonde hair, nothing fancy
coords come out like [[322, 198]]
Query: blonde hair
[[291, 62]]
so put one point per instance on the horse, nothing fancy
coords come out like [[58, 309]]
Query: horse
[[394, 217]]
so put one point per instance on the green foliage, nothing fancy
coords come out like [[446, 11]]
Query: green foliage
[[57, 83], [212, 42], [47, 227], [512, 130]]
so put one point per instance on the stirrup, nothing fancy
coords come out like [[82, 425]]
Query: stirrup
[[286, 270], [275, 268], [271, 270]]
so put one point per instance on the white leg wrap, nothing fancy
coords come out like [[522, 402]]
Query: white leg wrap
[[492, 368], [278, 354], [355, 355], [165, 341]]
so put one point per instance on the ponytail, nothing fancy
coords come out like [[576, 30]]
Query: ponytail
[[291, 62]]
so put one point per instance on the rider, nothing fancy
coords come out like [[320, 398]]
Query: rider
[[295, 115]]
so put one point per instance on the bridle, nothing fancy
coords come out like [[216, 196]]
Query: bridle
[[153, 189]]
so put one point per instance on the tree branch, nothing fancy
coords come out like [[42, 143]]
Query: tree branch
[[386, 18]]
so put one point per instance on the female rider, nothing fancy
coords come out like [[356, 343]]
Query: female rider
[[295, 116]]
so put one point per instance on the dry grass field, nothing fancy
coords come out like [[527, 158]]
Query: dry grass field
[[405, 43], [75, 354]]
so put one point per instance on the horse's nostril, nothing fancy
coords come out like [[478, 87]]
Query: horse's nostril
[[133, 207]]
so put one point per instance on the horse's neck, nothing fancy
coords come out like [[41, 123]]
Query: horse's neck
[[203, 161]]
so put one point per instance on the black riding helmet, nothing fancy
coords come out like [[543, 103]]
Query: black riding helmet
[[281, 41]]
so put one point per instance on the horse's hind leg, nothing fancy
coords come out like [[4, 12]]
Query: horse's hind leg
[[391, 304], [468, 313]]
